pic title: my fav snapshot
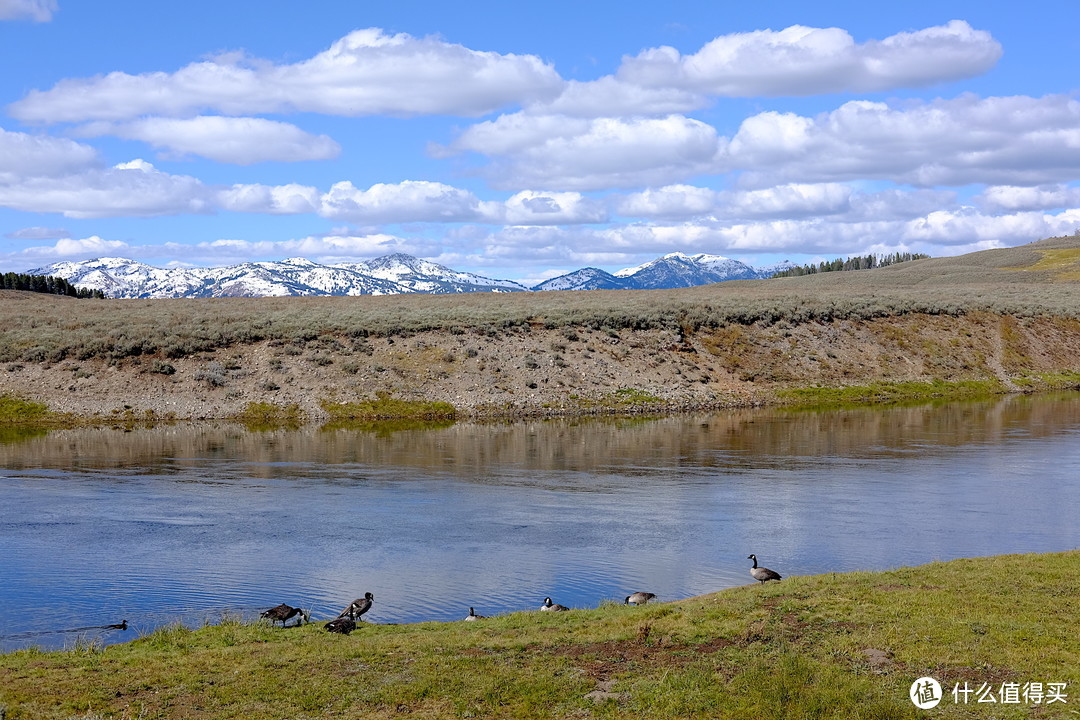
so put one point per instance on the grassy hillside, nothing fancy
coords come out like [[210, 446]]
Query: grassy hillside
[[830, 646], [989, 322], [1040, 278]]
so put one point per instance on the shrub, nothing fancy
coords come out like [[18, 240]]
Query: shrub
[[161, 368], [213, 374]]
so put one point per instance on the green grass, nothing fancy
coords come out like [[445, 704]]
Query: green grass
[[17, 410], [269, 416], [889, 393], [793, 649], [386, 407], [1065, 380]]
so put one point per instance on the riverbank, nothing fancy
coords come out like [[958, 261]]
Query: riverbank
[[837, 646], [550, 372], [993, 322]]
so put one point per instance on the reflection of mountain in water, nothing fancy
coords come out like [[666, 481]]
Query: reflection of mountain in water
[[717, 440]]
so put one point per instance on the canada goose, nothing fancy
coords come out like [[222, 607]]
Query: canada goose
[[284, 612], [762, 573], [638, 598], [358, 607], [473, 616], [343, 625], [117, 626], [548, 605]]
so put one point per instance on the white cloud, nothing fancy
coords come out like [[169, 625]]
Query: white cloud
[[242, 141], [808, 61], [289, 199], [23, 155], [836, 200], [36, 10], [38, 233], [1001, 140], [1042, 197], [409, 201], [611, 97], [559, 152], [670, 201], [134, 189], [530, 207], [367, 72]]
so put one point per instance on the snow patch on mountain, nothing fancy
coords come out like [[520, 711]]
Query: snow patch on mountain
[[394, 274]]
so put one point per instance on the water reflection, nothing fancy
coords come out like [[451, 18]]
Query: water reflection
[[190, 521]]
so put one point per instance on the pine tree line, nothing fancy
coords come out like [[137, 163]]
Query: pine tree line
[[45, 284], [863, 262]]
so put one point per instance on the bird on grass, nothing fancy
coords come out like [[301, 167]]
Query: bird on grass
[[638, 598], [762, 573], [343, 625], [358, 607], [473, 616], [285, 612], [550, 606]]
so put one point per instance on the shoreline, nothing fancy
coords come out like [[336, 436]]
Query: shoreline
[[854, 642]]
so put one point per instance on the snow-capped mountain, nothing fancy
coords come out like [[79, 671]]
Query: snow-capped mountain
[[589, 278], [423, 276], [678, 270], [388, 275]]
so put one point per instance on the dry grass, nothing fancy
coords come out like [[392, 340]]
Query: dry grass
[[1028, 281]]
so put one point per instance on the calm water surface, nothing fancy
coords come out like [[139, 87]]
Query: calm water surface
[[190, 522]]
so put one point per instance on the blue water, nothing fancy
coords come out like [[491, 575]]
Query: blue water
[[191, 523]]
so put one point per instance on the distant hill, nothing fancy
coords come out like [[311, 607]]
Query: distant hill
[[395, 274], [991, 322]]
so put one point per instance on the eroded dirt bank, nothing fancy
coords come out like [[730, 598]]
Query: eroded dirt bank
[[559, 371]]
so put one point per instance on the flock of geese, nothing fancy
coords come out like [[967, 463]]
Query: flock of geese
[[345, 622]]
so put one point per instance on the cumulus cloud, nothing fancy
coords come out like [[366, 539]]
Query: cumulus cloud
[[23, 155], [998, 140], [1042, 197], [808, 61], [530, 207], [241, 141], [565, 153], [685, 201], [367, 72], [134, 189], [409, 201], [289, 199], [36, 10], [610, 97]]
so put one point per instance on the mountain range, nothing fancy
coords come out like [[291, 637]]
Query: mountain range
[[387, 275]]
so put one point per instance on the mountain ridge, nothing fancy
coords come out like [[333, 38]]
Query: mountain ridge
[[394, 274]]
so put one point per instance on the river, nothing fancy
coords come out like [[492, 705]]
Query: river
[[194, 522]]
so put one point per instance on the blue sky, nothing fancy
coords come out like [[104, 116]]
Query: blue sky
[[522, 141]]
